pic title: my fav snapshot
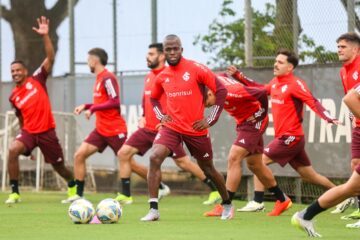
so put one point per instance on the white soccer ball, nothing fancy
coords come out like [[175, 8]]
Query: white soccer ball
[[81, 211], [109, 211]]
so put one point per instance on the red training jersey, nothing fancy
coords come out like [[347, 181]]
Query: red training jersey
[[109, 122], [32, 102], [349, 74], [184, 86], [243, 102], [151, 120], [288, 94]]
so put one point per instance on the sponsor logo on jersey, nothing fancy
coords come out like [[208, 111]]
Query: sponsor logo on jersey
[[277, 101], [27, 97], [179, 94], [186, 76], [355, 75]]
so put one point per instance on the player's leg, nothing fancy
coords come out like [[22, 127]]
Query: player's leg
[[330, 198], [125, 156], [308, 174], [82, 153], [16, 149], [355, 161], [185, 163]]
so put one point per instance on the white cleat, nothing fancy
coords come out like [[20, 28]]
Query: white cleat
[[353, 225], [164, 192], [341, 207], [153, 215], [71, 199], [304, 225], [228, 212], [252, 206]]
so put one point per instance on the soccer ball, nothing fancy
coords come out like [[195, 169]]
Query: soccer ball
[[109, 211], [81, 211]]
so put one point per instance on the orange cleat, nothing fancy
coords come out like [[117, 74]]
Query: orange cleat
[[216, 212], [280, 207]]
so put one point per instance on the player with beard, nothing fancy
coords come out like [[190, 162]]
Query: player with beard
[[142, 140]]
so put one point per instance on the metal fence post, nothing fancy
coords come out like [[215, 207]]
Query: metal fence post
[[351, 15], [248, 34]]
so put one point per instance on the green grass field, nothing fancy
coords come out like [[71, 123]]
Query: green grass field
[[42, 216]]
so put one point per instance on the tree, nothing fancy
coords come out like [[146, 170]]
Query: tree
[[272, 29], [22, 17]]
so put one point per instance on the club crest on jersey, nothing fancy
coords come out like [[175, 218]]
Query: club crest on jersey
[[28, 86], [355, 75], [17, 99], [284, 88], [186, 76], [167, 80], [148, 80]]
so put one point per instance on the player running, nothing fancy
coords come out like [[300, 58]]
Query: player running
[[249, 108], [288, 93], [348, 52], [32, 107], [141, 140], [303, 219], [184, 83], [110, 127]]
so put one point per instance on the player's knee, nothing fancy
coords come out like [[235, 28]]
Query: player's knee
[[180, 162], [14, 151], [354, 163], [233, 159], [254, 166], [79, 156], [155, 160], [123, 154]]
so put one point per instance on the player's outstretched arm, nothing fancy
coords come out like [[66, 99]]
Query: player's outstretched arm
[[239, 76], [352, 101], [43, 30]]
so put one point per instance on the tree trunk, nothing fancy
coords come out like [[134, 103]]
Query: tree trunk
[[22, 17], [284, 28]]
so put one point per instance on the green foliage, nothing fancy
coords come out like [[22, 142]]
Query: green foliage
[[225, 41]]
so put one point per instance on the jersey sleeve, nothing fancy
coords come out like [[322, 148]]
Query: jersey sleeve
[[112, 87], [239, 76], [302, 92], [156, 93], [40, 75], [260, 94]]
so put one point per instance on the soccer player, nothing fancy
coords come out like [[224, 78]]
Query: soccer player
[[32, 107], [249, 108], [183, 82], [110, 127], [348, 53], [288, 93], [351, 188], [141, 140]]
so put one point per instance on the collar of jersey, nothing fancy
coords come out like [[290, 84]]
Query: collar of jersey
[[285, 78], [356, 61]]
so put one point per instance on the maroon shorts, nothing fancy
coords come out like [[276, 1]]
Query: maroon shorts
[[101, 142], [199, 146], [288, 149], [355, 143], [249, 137], [47, 142], [143, 140]]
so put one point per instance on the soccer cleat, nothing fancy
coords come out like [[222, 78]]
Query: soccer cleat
[[13, 198], [252, 206], [228, 212], [153, 215], [352, 216], [216, 212], [214, 197], [164, 192], [353, 225], [304, 225], [71, 191], [341, 207], [280, 207], [71, 199], [123, 199]]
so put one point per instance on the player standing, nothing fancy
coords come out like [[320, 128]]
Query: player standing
[[351, 188], [184, 83], [249, 108], [32, 107], [110, 127], [141, 140], [288, 94]]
